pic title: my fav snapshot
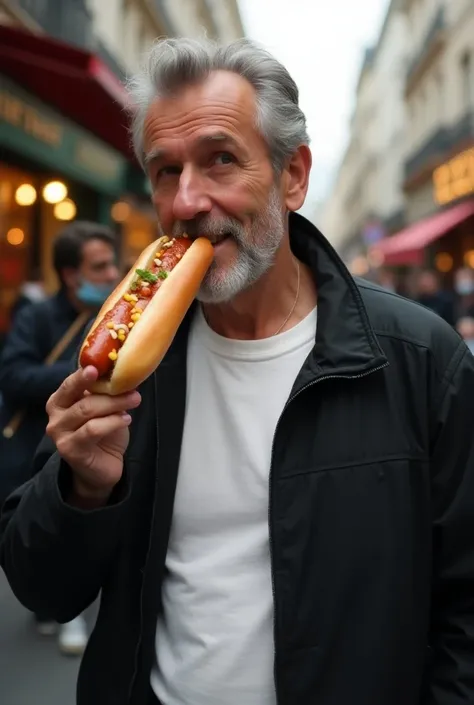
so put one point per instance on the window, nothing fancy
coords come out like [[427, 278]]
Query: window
[[467, 85], [18, 246], [439, 98]]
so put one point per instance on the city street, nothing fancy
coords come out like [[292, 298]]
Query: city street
[[32, 671]]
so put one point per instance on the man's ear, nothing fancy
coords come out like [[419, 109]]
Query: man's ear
[[296, 178]]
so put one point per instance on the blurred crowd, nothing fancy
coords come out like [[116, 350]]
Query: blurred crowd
[[39, 352], [454, 303]]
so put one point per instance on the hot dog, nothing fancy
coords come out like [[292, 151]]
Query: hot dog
[[135, 327]]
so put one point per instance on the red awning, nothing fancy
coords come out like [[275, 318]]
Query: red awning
[[407, 246], [74, 81]]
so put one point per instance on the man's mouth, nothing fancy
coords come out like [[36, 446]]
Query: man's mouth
[[216, 239], [213, 239]]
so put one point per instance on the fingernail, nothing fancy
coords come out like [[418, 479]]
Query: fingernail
[[90, 373], [126, 418]]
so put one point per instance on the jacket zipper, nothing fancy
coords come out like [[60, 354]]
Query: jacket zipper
[[270, 492]]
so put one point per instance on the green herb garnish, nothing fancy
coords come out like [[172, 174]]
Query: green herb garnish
[[162, 275], [147, 276]]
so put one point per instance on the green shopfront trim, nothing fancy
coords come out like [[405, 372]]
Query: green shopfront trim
[[34, 130]]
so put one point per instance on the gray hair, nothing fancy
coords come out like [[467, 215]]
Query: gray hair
[[172, 64]]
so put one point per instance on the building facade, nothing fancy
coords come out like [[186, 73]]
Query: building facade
[[421, 181], [64, 145], [366, 201], [126, 28], [439, 158], [353, 199]]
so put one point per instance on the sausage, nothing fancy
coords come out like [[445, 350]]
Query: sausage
[[101, 343], [107, 338], [173, 254]]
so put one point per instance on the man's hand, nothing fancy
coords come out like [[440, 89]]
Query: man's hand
[[91, 434]]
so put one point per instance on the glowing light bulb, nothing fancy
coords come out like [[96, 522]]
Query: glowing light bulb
[[54, 192], [66, 210], [25, 195]]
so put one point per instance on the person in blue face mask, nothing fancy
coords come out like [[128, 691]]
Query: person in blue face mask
[[464, 288], [465, 328], [85, 260], [84, 257]]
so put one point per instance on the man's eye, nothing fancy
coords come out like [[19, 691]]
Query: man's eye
[[224, 158], [168, 171]]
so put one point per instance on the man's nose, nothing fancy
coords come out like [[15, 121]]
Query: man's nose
[[191, 197], [112, 273]]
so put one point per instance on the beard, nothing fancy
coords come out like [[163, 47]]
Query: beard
[[256, 249]]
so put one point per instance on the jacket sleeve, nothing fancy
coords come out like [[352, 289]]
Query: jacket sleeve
[[450, 677], [23, 374], [56, 557]]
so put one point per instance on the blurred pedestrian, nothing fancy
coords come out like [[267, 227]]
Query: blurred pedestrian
[[387, 279], [31, 291], [287, 513], [464, 288], [465, 328], [85, 261], [430, 293]]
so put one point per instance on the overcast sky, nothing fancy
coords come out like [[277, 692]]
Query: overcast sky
[[321, 43]]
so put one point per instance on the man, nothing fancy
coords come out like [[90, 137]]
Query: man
[[464, 288], [465, 328], [431, 295], [84, 260], [278, 515], [32, 291]]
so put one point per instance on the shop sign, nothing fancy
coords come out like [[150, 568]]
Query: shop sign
[[38, 132], [455, 178]]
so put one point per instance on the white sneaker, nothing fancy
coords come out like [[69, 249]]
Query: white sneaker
[[73, 637]]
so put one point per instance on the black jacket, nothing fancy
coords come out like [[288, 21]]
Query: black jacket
[[26, 383], [371, 514]]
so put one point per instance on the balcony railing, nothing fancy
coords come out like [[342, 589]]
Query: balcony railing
[[440, 145], [431, 43], [68, 20]]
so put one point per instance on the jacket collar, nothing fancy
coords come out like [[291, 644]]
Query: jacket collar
[[345, 343]]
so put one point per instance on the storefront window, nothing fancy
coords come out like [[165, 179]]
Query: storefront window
[[18, 196], [54, 216]]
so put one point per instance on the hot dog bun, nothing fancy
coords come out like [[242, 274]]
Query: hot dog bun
[[149, 340]]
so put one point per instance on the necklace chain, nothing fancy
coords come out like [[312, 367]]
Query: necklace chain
[[294, 303], [292, 308]]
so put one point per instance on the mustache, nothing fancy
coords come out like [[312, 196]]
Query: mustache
[[211, 228]]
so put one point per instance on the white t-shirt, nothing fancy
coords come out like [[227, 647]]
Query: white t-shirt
[[214, 640]]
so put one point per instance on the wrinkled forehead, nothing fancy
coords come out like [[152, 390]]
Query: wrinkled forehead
[[222, 104]]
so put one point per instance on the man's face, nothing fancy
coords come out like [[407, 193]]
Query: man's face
[[211, 175], [464, 281], [428, 283], [97, 272], [98, 263]]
